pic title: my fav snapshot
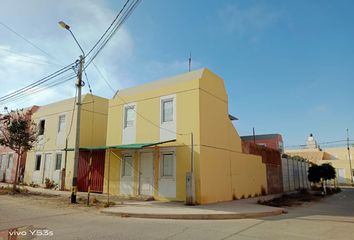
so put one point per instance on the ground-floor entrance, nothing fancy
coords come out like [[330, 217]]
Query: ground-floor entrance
[[146, 174], [97, 171]]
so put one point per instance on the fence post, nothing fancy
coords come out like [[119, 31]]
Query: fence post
[[294, 180], [287, 165]]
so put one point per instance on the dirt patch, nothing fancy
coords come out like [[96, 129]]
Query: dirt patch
[[51, 200], [293, 199]]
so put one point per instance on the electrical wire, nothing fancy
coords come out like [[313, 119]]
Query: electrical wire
[[113, 22], [41, 89], [26, 40], [151, 122], [109, 35], [104, 39], [37, 83], [36, 60], [103, 77]]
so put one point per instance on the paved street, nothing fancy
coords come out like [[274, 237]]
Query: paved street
[[332, 218]]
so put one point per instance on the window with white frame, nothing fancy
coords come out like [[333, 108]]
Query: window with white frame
[[37, 166], [61, 123], [167, 167], [129, 116], [10, 162], [127, 169], [41, 127], [2, 161], [167, 110], [58, 159]]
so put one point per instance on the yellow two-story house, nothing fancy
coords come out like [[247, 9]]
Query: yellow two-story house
[[53, 156], [150, 132]]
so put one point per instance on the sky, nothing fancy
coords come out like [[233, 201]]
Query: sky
[[287, 65]]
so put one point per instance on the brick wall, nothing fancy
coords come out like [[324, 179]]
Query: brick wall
[[272, 159]]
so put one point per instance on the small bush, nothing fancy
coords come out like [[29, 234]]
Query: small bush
[[249, 196], [108, 204], [263, 191], [94, 200], [49, 183], [243, 197], [32, 184]]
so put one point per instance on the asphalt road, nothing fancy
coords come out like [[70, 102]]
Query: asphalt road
[[331, 218]]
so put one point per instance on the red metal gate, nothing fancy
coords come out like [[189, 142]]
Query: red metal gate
[[97, 174]]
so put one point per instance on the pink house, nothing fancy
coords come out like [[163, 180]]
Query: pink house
[[8, 159]]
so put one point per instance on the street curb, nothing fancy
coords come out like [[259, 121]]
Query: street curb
[[216, 216]]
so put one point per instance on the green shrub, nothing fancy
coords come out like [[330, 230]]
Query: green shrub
[[49, 183]]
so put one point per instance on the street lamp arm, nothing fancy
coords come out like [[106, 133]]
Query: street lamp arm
[[77, 42]]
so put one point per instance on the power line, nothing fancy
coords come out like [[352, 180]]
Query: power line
[[37, 83], [34, 91], [103, 77], [105, 37], [37, 60], [113, 22], [26, 40], [151, 122], [338, 142], [110, 34]]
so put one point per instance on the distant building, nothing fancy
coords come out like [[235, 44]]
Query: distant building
[[8, 157], [274, 141], [338, 157]]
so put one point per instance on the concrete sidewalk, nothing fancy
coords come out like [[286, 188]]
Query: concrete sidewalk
[[175, 210], [244, 208]]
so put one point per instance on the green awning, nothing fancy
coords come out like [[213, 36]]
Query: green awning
[[133, 146]]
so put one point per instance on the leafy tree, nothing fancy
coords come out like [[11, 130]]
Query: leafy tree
[[321, 173], [328, 172], [315, 173], [19, 133]]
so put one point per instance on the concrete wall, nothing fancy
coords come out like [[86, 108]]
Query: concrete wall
[[271, 158], [295, 174]]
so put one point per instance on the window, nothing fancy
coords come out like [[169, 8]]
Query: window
[[10, 163], [58, 161], [167, 110], [129, 116], [167, 165], [41, 127], [2, 162], [61, 123], [38, 162], [127, 166]]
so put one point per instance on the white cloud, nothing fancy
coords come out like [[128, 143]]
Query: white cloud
[[248, 22], [22, 64]]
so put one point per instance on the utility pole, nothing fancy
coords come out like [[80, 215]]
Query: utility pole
[[190, 62], [78, 123], [79, 85], [254, 137], [349, 158], [190, 178]]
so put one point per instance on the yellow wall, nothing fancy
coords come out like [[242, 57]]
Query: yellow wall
[[93, 131], [147, 127], [225, 171], [338, 157], [202, 108]]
